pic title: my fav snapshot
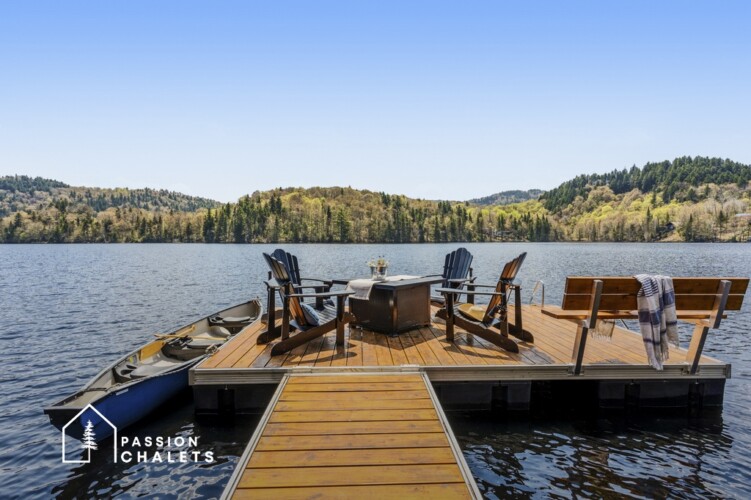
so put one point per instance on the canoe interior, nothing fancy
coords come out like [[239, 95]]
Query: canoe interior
[[150, 359]]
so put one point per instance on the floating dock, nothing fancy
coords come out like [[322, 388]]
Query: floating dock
[[352, 435], [470, 358], [369, 413]]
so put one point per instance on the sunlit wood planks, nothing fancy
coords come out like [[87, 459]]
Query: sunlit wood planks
[[345, 435], [427, 347]]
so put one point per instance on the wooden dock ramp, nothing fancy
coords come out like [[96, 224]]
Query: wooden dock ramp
[[353, 435]]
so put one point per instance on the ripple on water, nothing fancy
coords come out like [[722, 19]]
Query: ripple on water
[[69, 310]]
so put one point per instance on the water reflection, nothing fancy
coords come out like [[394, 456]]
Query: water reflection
[[642, 456], [68, 309]]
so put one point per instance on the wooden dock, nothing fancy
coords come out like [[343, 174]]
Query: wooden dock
[[366, 435], [469, 358], [365, 418]]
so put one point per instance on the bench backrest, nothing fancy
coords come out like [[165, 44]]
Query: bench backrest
[[619, 293]]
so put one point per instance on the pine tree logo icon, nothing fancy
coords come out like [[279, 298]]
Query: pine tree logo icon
[[88, 437]]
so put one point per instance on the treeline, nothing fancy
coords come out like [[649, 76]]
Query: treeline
[[507, 197], [21, 193], [345, 215], [672, 180], [26, 184], [719, 213], [688, 199], [336, 215]]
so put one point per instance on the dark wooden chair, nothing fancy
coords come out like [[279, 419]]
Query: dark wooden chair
[[293, 315], [291, 263], [483, 322], [702, 301], [457, 272]]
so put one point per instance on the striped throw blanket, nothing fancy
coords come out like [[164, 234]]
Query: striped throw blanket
[[657, 317]]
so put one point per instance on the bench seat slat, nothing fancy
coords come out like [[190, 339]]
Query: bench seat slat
[[621, 301], [558, 313]]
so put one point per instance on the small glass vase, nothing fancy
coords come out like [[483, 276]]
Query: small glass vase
[[378, 273]]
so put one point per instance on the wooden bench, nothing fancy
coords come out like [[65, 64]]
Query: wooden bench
[[702, 301]]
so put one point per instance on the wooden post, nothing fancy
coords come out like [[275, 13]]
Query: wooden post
[[285, 311], [695, 348], [504, 310], [577, 357], [470, 288], [319, 300], [340, 320], [450, 317], [272, 331]]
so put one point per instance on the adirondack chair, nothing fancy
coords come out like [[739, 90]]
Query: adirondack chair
[[309, 321], [483, 321], [292, 265], [457, 272]]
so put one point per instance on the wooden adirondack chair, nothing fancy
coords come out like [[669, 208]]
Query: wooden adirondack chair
[[457, 272], [293, 267], [293, 313], [483, 321]]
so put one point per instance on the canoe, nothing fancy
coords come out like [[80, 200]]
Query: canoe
[[139, 382]]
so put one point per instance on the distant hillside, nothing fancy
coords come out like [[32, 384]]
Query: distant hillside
[[508, 197], [671, 179], [688, 199], [20, 192]]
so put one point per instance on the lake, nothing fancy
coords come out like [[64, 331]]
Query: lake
[[67, 310]]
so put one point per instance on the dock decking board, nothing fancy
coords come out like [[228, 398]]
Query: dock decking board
[[373, 443], [427, 347]]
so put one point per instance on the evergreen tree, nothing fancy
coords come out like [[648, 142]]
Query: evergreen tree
[[89, 440]]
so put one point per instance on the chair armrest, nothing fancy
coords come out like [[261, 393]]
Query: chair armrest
[[510, 284], [302, 287], [323, 295], [485, 286], [327, 282], [465, 292], [271, 284], [461, 280], [340, 281]]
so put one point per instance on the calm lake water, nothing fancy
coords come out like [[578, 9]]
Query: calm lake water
[[67, 310]]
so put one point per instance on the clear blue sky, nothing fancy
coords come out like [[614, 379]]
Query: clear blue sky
[[440, 100]]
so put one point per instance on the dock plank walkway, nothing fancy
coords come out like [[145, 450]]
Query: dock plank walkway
[[427, 347], [353, 435]]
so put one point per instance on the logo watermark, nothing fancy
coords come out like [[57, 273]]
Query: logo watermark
[[89, 436], [126, 449]]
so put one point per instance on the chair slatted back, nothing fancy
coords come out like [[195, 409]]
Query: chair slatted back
[[619, 293], [456, 266], [281, 274], [290, 262], [508, 275]]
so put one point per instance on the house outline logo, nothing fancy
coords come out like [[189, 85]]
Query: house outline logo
[[88, 449]]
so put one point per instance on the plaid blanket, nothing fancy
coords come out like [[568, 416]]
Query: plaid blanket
[[657, 317]]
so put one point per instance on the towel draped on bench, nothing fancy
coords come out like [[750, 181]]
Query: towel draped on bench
[[658, 321]]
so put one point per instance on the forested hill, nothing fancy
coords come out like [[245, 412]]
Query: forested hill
[[20, 192], [688, 199], [673, 180], [508, 197]]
